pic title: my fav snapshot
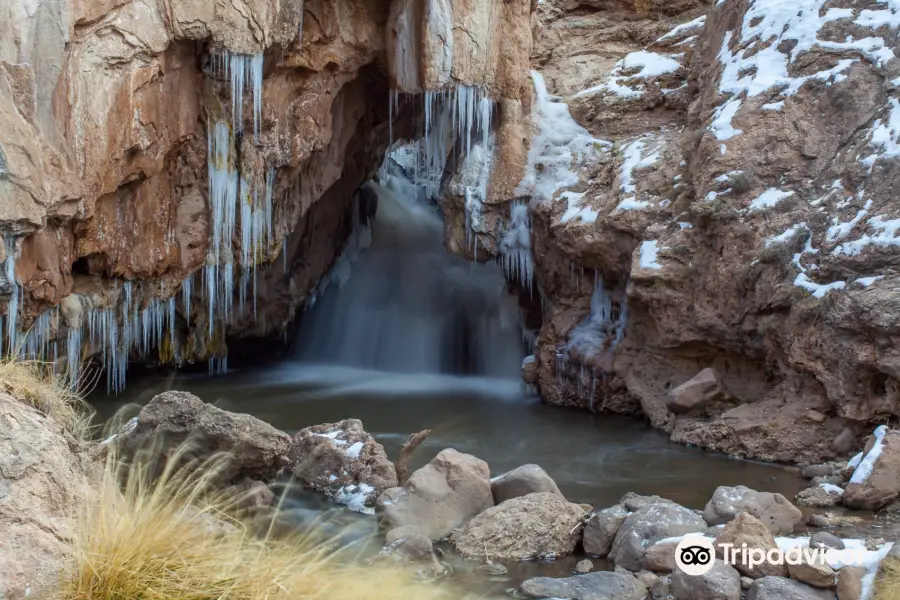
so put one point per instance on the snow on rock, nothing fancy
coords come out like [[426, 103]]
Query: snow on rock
[[559, 143], [355, 497], [647, 64], [636, 155], [867, 463], [575, 210], [697, 23], [884, 234], [818, 290], [885, 136], [867, 281], [769, 198], [832, 489], [648, 253], [787, 235]]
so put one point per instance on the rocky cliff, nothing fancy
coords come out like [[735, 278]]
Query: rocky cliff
[[165, 166], [710, 187]]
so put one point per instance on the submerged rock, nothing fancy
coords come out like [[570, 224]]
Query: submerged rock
[[524, 528], [179, 421], [524, 480], [441, 496], [776, 511], [344, 461], [602, 585]]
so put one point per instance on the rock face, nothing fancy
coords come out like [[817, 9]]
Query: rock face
[[343, 461], [527, 479], [747, 531], [876, 481], [603, 585], [776, 511], [523, 528], [180, 421], [441, 496], [133, 133], [46, 478], [722, 582], [703, 216], [656, 520]]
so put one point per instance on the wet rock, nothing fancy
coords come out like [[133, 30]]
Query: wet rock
[[601, 529], [491, 569], [46, 478], [399, 533], [416, 549], [818, 521], [439, 497], [527, 479], [746, 582], [343, 461], [523, 528], [823, 539], [828, 479], [256, 450], [820, 496], [782, 588], [876, 482], [849, 583], [602, 585], [702, 390], [747, 529], [813, 471], [722, 582], [529, 370], [655, 521], [584, 566], [815, 573], [778, 514]]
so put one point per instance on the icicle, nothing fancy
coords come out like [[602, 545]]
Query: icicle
[[12, 322], [186, 291]]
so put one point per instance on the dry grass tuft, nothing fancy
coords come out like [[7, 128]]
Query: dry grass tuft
[[173, 539], [887, 583], [34, 383]]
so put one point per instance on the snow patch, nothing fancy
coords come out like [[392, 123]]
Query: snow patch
[[649, 253], [769, 198], [864, 469]]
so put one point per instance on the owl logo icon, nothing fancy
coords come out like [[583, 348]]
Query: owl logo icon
[[695, 555]]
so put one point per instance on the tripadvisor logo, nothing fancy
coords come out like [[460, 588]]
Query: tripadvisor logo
[[695, 555]]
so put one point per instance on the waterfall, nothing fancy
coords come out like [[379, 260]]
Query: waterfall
[[408, 306]]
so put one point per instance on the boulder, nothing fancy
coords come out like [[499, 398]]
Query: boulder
[[747, 529], [601, 529], [256, 450], [527, 479], [660, 557], [820, 496], [701, 391], [602, 585], [584, 566], [782, 588], [655, 521], [722, 582], [815, 573], [439, 497], [524, 528], [662, 588], [876, 481], [342, 461], [46, 478], [823, 539], [779, 515], [648, 578], [849, 583]]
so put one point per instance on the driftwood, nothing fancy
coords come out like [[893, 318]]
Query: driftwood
[[406, 452]]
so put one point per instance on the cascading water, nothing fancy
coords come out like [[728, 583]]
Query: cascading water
[[408, 306]]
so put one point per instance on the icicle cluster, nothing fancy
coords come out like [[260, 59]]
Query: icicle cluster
[[231, 195], [12, 313], [240, 69], [515, 246]]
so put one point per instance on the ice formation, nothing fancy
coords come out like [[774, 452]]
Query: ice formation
[[241, 69], [515, 246], [12, 313]]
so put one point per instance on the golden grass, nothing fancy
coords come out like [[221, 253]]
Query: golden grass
[[34, 383], [887, 582], [175, 539]]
